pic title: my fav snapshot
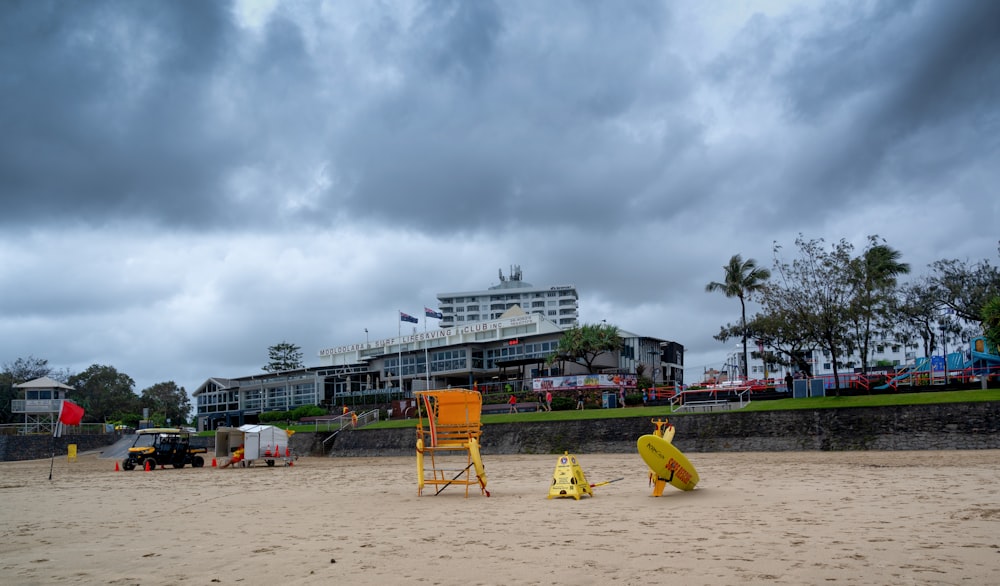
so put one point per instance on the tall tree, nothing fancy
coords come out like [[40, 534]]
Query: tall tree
[[104, 393], [784, 342], [25, 369], [964, 288], [584, 344], [873, 275], [916, 309], [743, 278], [14, 373], [991, 322], [283, 356], [815, 292], [167, 400]]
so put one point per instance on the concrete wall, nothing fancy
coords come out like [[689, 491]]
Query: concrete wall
[[959, 426], [33, 447]]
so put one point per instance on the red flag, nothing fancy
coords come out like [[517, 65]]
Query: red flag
[[70, 413]]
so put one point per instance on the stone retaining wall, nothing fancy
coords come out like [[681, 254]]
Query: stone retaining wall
[[33, 447], [958, 426]]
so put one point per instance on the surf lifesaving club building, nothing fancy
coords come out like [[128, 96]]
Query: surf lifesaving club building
[[496, 356]]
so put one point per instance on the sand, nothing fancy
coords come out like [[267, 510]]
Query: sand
[[759, 518]]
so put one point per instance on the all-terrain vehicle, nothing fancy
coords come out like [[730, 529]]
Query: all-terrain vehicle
[[163, 447]]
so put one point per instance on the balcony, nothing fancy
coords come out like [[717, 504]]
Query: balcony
[[35, 405]]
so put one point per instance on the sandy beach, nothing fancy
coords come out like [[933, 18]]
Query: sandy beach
[[760, 518]]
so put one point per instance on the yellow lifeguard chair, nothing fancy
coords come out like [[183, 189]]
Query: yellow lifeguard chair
[[448, 430]]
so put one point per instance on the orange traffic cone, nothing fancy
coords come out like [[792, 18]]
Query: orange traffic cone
[[147, 466], [287, 452], [117, 469], [214, 463]]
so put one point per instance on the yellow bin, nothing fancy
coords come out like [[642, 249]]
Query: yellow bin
[[71, 456]]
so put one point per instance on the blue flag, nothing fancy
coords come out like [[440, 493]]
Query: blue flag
[[407, 317], [431, 313]]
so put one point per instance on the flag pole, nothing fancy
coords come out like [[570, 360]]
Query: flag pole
[[427, 360], [399, 347], [56, 431]]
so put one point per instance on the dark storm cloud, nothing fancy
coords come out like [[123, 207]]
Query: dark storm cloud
[[538, 115], [203, 179], [101, 108], [880, 95]]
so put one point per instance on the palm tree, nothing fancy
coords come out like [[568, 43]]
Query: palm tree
[[876, 272], [742, 279]]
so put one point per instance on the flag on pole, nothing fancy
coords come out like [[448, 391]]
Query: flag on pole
[[431, 313], [69, 414], [407, 317]]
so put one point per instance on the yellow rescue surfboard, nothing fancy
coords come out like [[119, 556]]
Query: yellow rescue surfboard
[[667, 462]]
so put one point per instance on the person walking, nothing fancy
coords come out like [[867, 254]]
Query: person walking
[[548, 400], [512, 401], [579, 400], [789, 379]]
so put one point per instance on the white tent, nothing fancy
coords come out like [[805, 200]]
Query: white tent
[[260, 442]]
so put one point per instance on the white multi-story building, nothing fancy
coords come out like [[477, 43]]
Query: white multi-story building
[[892, 355], [558, 304]]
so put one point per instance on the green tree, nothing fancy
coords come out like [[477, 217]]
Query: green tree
[[916, 309], [283, 356], [742, 279], [964, 288], [104, 393], [784, 342], [873, 275], [17, 372], [991, 322], [169, 400], [815, 294], [583, 345]]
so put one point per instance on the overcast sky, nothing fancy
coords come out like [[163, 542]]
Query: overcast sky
[[187, 183]]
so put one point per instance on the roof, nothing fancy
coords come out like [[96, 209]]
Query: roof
[[43, 383], [164, 430], [251, 428]]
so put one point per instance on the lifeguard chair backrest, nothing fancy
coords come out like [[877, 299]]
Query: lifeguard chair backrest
[[453, 416]]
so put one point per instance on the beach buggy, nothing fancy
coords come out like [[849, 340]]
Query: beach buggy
[[163, 447]]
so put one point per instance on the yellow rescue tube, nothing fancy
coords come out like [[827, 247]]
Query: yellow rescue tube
[[420, 465], [477, 461]]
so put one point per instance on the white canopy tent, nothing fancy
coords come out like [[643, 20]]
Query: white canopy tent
[[259, 442]]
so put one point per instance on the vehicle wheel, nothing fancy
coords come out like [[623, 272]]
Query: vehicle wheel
[[270, 462], [128, 465], [151, 462], [198, 461], [181, 465]]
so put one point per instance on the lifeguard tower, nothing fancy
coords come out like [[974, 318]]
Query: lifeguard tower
[[448, 431], [43, 397]]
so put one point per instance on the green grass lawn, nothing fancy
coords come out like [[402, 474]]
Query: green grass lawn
[[971, 396]]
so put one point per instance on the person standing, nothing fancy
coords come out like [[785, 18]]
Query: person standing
[[789, 379], [579, 399], [548, 400]]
